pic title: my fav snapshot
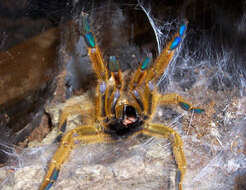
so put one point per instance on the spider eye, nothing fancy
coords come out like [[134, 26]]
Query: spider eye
[[130, 111]]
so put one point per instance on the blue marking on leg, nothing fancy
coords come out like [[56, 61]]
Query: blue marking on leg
[[90, 40], [102, 87], [145, 63], [178, 178], [53, 178], [197, 110], [175, 43], [64, 126], [86, 26], [182, 30], [58, 138], [185, 106], [54, 175], [113, 64], [49, 186]]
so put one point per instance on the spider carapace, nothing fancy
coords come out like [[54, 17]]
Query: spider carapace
[[124, 105]]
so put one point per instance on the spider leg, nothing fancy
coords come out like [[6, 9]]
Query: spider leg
[[139, 76], [145, 94], [162, 131], [116, 74], [79, 105], [162, 61], [82, 134], [102, 91], [142, 85], [176, 99], [140, 90]]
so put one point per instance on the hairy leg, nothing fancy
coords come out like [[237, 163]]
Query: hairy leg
[[176, 99], [162, 131], [82, 134]]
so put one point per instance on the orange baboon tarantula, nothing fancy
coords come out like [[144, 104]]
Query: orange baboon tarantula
[[122, 108]]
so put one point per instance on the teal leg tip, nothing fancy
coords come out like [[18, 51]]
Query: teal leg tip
[[113, 64], [182, 29], [175, 43], [90, 40], [197, 110], [145, 63], [48, 186], [184, 106]]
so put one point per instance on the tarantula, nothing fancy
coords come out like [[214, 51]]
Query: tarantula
[[122, 108]]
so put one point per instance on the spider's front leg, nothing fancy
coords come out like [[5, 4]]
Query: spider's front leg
[[167, 54], [143, 83], [177, 147], [82, 134], [104, 98]]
